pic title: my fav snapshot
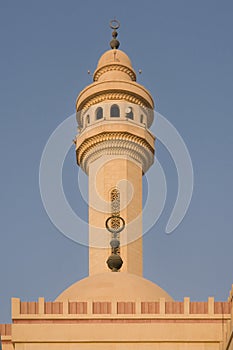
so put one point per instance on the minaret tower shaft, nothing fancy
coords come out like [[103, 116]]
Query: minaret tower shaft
[[115, 148]]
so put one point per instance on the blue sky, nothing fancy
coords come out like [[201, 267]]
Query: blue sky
[[184, 49]]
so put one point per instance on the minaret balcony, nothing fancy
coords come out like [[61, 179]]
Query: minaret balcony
[[116, 129], [115, 111]]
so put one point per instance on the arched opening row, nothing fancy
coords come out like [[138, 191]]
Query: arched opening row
[[114, 112]]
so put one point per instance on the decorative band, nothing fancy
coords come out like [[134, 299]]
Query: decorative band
[[116, 67]]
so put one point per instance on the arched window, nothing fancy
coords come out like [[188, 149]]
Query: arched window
[[88, 119], [99, 113], [129, 112], [115, 111]]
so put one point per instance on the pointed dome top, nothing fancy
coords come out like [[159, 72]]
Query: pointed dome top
[[114, 57], [114, 60], [114, 64], [113, 79]]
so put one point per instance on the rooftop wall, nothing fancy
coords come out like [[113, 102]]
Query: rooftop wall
[[208, 324], [21, 309]]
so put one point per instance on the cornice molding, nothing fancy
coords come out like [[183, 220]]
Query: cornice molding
[[115, 67], [113, 95], [115, 143]]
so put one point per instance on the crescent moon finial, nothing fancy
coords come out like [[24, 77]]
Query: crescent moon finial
[[114, 24]]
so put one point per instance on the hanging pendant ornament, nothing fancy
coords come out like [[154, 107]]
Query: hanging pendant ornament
[[115, 229], [114, 261]]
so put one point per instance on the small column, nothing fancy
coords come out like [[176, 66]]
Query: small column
[[138, 310], [114, 307], [66, 307], [15, 307], [41, 306], [162, 306], [89, 307], [211, 305], [186, 306]]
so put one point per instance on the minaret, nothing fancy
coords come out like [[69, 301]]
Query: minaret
[[115, 148]]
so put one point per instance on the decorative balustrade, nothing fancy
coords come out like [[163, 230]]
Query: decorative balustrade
[[139, 307], [85, 311]]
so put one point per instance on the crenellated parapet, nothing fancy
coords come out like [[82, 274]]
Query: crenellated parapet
[[42, 324], [82, 309]]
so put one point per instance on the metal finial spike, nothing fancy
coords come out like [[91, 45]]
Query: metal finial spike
[[114, 24]]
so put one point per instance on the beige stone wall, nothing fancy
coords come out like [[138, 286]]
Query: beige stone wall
[[111, 346], [119, 336]]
